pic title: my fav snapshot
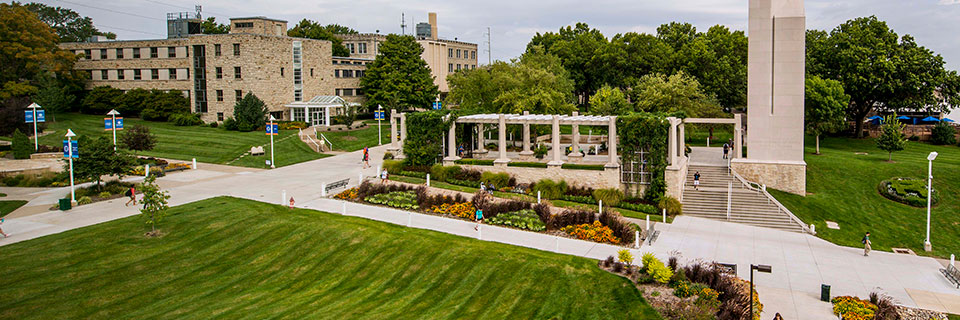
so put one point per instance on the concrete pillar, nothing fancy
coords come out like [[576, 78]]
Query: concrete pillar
[[556, 149], [403, 128], [683, 140], [502, 141], [576, 140], [612, 143], [394, 144], [481, 148], [737, 137], [672, 137], [452, 143], [526, 138]]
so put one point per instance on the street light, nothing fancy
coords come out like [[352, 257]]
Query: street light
[[759, 268], [379, 117], [113, 113], [271, 131], [933, 155], [70, 135]]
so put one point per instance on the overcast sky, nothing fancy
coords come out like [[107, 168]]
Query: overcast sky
[[934, 23]]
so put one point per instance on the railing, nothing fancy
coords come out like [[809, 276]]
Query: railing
[[762, 189], [311, 141], [325, 139]]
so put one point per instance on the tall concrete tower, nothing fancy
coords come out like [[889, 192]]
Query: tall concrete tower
[[775, 88]]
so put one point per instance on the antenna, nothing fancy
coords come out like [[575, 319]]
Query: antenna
[[403, 24], [198, 12], [489, 50]]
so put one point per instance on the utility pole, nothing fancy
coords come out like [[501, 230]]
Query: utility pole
[[403, 24], [489, 50]]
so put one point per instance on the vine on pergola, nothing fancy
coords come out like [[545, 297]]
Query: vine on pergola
[[646, 132]]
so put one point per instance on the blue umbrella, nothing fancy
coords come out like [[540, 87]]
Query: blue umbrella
[[947, 120], [903, 118], [874, 118], [930, 119]]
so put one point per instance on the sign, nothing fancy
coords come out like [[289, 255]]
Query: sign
[[272, 128], [379, 115], [108, 124], [29, 116], [119, 123], [74, 146], [437, 105], [41, 116]]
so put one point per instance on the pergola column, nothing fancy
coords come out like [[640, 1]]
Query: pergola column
[[575, 153], [394, 142], [403, 134], [683, 140], [672, 135], [502, 141], [737, 137], [612, 143], [555, 133], [452, 143], [481, 142], [526, 137]]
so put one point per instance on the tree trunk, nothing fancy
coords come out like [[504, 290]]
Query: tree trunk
[[818, 144], [859, 127], [890, 156]]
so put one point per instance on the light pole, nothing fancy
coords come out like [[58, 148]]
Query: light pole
[[70, 135], [933, 155], [113, 113], [36, 139], [760, 268], [379, 117], [272, 131]]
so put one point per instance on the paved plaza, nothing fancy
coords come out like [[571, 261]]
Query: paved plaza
[[801, 263]]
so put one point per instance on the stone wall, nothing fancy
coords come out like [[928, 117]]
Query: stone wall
[[785, 176], [609, 178], [675, 176]]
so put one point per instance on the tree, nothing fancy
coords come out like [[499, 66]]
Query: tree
[[54, 96], [312, 30], [632, 55], [138, 138], [718, 60], [825, 105], [943, 133], [610, 101], [101, 100], [29, 52], [577, 49], [12, 115], [250, 113], [154, 203], [97, 159], [210, 26], [22, 148], [399, 75], [891, 137], [163, 104], [679, 92], [68, 24]]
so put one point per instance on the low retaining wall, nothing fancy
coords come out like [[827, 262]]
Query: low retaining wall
[[786, 176], [675, 177], [608, 178]]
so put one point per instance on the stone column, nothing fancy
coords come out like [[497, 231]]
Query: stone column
[[526, 138], [683, 140], [737, 137], [481, 148], [502, 141], [451, 145], [612, 143], [575, 155], [394, 143], [556, 149], [403, 135], [672, 137]]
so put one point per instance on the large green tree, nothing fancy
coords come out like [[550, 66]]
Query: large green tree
[[312, 30], [632, 55], [578, 48], [718, 60], [97, 159], [210, 26], [399, 78], [69, 25], [250, 113], [825, 104], [610, 101], [678, 92], [29, 53]]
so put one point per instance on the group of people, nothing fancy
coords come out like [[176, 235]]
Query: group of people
[[726, 148]]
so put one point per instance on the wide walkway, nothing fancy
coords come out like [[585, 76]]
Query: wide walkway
[[801, 263]]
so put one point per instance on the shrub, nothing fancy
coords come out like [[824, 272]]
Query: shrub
[[393, 166], [367, 189], [185, 119], [349, 194], [579, 191], [571, 217], [524, 219], [104, 194], [673, 206], [467, 174], [250, 113], [84, 200], [397, 199], [465, 183], [639, 207], [440, 172], [683, 289], [414, 174], [655, 268], [591, 231], [609, 196], [540, 151], [22, 148], [527, 164], [475, 162], [621, 228], [579, 199], [624, 255], [550, 189], [853, 308], [493, 209], [230, 124], [679, 276], [575, 166], [608, 262], [886, 306], [543, 212], [292, 125], [481, 200], [429, 201], [497, 179], [214, 124], [943, 133], [388, 156]]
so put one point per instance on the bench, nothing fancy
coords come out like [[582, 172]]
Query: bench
[[729, 268], [952, 274], [337, 184], [256, 151], [649, 234]]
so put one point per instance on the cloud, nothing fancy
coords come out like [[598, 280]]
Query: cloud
[[948, 2]]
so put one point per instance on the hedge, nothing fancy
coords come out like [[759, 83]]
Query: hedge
[[574, 166], [527, 164], [475, 162]]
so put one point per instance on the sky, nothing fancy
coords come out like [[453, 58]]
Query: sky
[[934, 23]]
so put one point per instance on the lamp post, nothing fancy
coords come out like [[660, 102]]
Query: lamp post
[[113, 113], [760, 268], [379, 117], [36, 139], [70, 135], [271, 131], [932, 156]]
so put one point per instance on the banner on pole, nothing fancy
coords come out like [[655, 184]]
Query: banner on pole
[[379, 115], [108, 124], [437, 105], [119, 123], [74, 146], [272, 128], [28, 116]]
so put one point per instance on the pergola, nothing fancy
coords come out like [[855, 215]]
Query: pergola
[[526, 119]]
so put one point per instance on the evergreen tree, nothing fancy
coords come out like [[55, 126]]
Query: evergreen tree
[[891, 137], [250, 113], [399, 78], [22, 147], [97, 159], [943, 133]]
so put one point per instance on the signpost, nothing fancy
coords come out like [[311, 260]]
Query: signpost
[[437, 105], [113, 123], [33, 115], [380, 116], [71, 150], [272, 129]]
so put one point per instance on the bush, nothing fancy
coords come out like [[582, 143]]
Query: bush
[[580, 191], [579, 199], [22, 148], [524, 219], [214, 124], [230, 124], [185, 119], [467, 174], [655, 268], [550, 189], [608, 262], [625, 256], [367, 189], [465, 183], [430, 201], [571, 217], [440, 172], [498, 180], [540, 151], [543, 212], [388, 156], [886, 306], [84, 200], [673, 206], [679, 276], [639, 207], [853, 308], [475, 162], [250, 113], [397, 199], [609, 196], [684, 289], [393, 166], [492, 209], [460, 209], [621, 227], [943, 133], [527, 164], [414, 174], [292, 125], [575, 166], [104, 194]]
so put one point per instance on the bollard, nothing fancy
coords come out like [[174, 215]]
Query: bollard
[[480, 232], [664, 215], [344, 212], [538, 197], [360, 178], [194, 164], [323, 189], [648, 224], [636, 239], [813, 228], [600, 205], [428, 179], [146, 170], [283, 196], [951, 261]]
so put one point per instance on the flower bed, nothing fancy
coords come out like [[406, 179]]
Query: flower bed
[[524, 219], [349, 194], [396, 199], [462, 209], [853, 308], [592, 231], [908, 191]]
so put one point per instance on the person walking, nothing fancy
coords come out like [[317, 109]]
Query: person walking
[[479, 219], [726, 150], [1, 228], [696, 180], [777, 316], [366, 157], [866, 244], [132, 193]]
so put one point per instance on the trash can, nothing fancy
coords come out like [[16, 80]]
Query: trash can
[[64, 204], [825, 292]]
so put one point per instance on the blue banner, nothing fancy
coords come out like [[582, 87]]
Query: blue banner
[[379, 115], [74, 146], [437, 105], [41, 117], [107, 124], [272, 128], [29, 116], [119, 123]]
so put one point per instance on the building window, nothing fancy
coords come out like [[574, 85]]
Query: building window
[[347, 92], [136, 53], [363, 47], [155, 74], [297, 95], [337, 92], [219, 116], [450, 52], [154, 52], [136, 74], [219, 73], [243, 25], [239, 94], [120, 74], [87, 55], [336, 73], [458, 53], [171, 52], [236, 73], [348, 73], [473, 66], [104, 75], [216, 50], [119, 53], [299, 114], [350, 47], [219, 95], [311, 72], [281, 72], [173, 74], [458, 67], [359, 92], [236, 49]]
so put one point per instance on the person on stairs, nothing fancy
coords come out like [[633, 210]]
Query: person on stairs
[[696, 180]]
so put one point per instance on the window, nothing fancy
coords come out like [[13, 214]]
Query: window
[[216, 50], [154, 52], [450, 52], [120, 53], [458, 53], [239, 94], [363, 47], [219, 73], [120, 74], [104, 75], [458, 67], [359, 92], [473, 54], [299, 114], [87, 55], [173, 74], [350, 47], [311, 72], [236, 49], [155, 74], [348, 73], [219, 116], [473, 66], [171, 52], [219, 95], [243, 24], [347, 92], [336, 73], [297, 94], [236, 73], [338, 92], [281, 72], [450, 68], [136, 74], [136, 53], [103, 54]]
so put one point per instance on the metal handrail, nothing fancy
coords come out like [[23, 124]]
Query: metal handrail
[[311, 140], [763, 190], [325, 139]]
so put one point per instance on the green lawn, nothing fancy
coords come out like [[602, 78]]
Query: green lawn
[[842, 187], [356, 140], [231, 258], [210, 145], [7, 206]]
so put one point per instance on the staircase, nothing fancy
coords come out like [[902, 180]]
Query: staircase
[[748, 206], [307, 136]]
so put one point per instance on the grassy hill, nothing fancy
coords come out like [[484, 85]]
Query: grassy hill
[[232, 258], [842, 186]]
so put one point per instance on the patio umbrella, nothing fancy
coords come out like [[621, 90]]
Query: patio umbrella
[[874, 118], [903, 118], [930, 119], [947, 120]]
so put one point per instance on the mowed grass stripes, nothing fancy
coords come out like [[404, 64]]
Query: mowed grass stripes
[[233, 258]]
